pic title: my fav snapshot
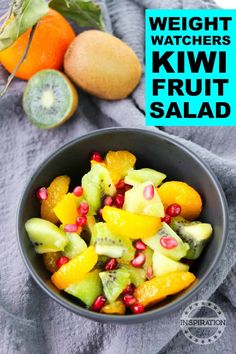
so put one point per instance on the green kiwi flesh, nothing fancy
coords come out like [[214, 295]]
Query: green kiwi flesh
[[176, 253], [45, 236], [108, 244], [196, 234], [164, 265], [114, 282], [87, 289]]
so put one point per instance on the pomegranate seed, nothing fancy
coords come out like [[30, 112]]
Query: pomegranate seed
[[138, 260], [148, 192], [129, 289], [129, 300], [78, 191], [71, 228], [42, 193], [121, 184], [166, 219], [137, 308], [139, 245], [111, 264], [108, 201], [119, 200], [98, 303], [62, 260], [149, 273], [173, 210], [96, 156], [128, 187], [168, 242], [81, 220], [83, 209]]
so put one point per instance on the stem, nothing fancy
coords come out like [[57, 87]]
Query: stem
[[11, 77]]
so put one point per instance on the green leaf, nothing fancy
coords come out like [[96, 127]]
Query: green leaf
[[83, 12], [23, 15]]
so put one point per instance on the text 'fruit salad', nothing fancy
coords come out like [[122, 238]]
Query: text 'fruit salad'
[[122, 239]]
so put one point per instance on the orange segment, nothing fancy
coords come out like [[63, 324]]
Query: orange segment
[[56, 191], [156, 289], [75, 269], [183, 194], [126, 224], [51, 40], [116, 308], [66, 209], [119, 163]]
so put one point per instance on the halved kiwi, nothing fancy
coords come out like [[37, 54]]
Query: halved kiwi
[[49, 99]]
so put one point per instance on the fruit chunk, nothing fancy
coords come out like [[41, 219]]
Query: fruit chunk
[[56, 191], [135, 177], [137, 275], [116, 308], [164, 265], [87, 289], [50, 99], [135, 201], [196, 234], [97, 183], [156, 289], [156, 243], [114, 282], [119, 163], [50, 259], [184, 195], [148, 258], [75, 245], [108, 244], [75, 269], [126, 224], [45, 236], [66, 209]]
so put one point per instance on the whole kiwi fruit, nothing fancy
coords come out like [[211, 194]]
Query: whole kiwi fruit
[[102, 65]]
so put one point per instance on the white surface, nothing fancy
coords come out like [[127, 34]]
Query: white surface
[[226, 4]]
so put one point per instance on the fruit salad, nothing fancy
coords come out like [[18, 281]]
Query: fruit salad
[[123, 239]]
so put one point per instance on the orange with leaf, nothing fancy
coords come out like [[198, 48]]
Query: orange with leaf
[[51, 39]]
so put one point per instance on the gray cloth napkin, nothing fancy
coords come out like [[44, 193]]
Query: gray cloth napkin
[[30, 322]]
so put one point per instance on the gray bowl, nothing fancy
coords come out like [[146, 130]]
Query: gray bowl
[[152, 150]]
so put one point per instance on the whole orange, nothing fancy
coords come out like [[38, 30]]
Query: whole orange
[[51, 39]]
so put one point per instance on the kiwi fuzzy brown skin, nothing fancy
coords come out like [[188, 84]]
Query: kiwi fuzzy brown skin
[[102, 65]]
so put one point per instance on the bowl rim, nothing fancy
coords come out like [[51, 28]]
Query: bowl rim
[[151, 314]]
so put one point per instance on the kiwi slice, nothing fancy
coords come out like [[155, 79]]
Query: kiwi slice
[[108, 244], [143, 175], [114, 282], [45, 236], [97, 183], [195, 233], [87, 289], [49, 99], [135, 202], [164, 265], [175, 253], [148, 252], [75, 245], [137, 275]]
